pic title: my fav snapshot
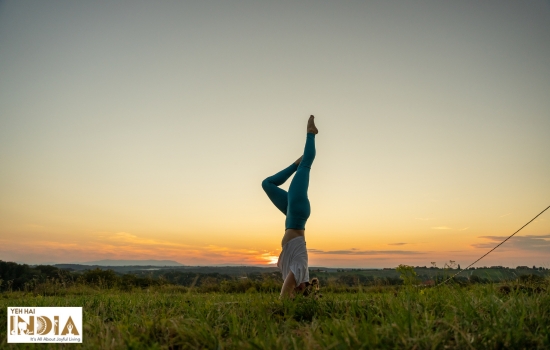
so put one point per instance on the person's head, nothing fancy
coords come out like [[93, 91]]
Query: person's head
[[311, 287]]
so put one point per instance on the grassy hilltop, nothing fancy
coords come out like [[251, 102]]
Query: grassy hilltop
[[514, 314], [169, 317]]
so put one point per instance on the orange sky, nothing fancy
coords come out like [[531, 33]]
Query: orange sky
[[143, 131]]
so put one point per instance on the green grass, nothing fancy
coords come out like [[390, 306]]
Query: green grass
[[448, 317]]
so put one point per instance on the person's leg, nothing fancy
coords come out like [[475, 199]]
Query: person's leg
[[298, 203], [278, 196]]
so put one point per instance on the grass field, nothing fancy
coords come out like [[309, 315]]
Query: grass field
[[406, 317]]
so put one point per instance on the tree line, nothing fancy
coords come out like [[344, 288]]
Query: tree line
[[45, 279]]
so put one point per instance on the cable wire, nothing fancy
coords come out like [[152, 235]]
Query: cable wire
[[498, 245]]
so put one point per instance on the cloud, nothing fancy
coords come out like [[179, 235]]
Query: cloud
[[441, 228], [528, 242], [364, 252], [424, 219], [124, 245], [464, 229], [505, 215], [400, 243]]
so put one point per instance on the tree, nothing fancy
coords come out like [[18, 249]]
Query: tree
[[407, 274]]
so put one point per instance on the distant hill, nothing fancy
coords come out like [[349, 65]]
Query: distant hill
[[133, 263], [228, 270]]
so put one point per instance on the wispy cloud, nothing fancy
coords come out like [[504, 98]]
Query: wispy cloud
[[364, 252], [529, 242], [424, 219], [124, 245], [464, 229], [505, 215], [399, 243]]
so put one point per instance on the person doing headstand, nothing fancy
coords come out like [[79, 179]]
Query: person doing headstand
[[293, 260]]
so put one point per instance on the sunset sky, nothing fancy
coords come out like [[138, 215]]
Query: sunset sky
[[143, 130]]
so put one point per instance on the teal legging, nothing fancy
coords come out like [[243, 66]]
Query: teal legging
[[294, 204]]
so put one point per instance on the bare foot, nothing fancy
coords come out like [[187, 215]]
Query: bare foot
[[311, 128], [297, 162]]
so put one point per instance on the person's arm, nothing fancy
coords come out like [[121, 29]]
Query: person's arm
[[288, 286]]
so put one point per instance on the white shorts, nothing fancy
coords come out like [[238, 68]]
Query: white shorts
[[294, 258]]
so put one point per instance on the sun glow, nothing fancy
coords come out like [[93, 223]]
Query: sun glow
[[270, 258]]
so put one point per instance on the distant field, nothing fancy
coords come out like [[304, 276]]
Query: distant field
[[481, 316]]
